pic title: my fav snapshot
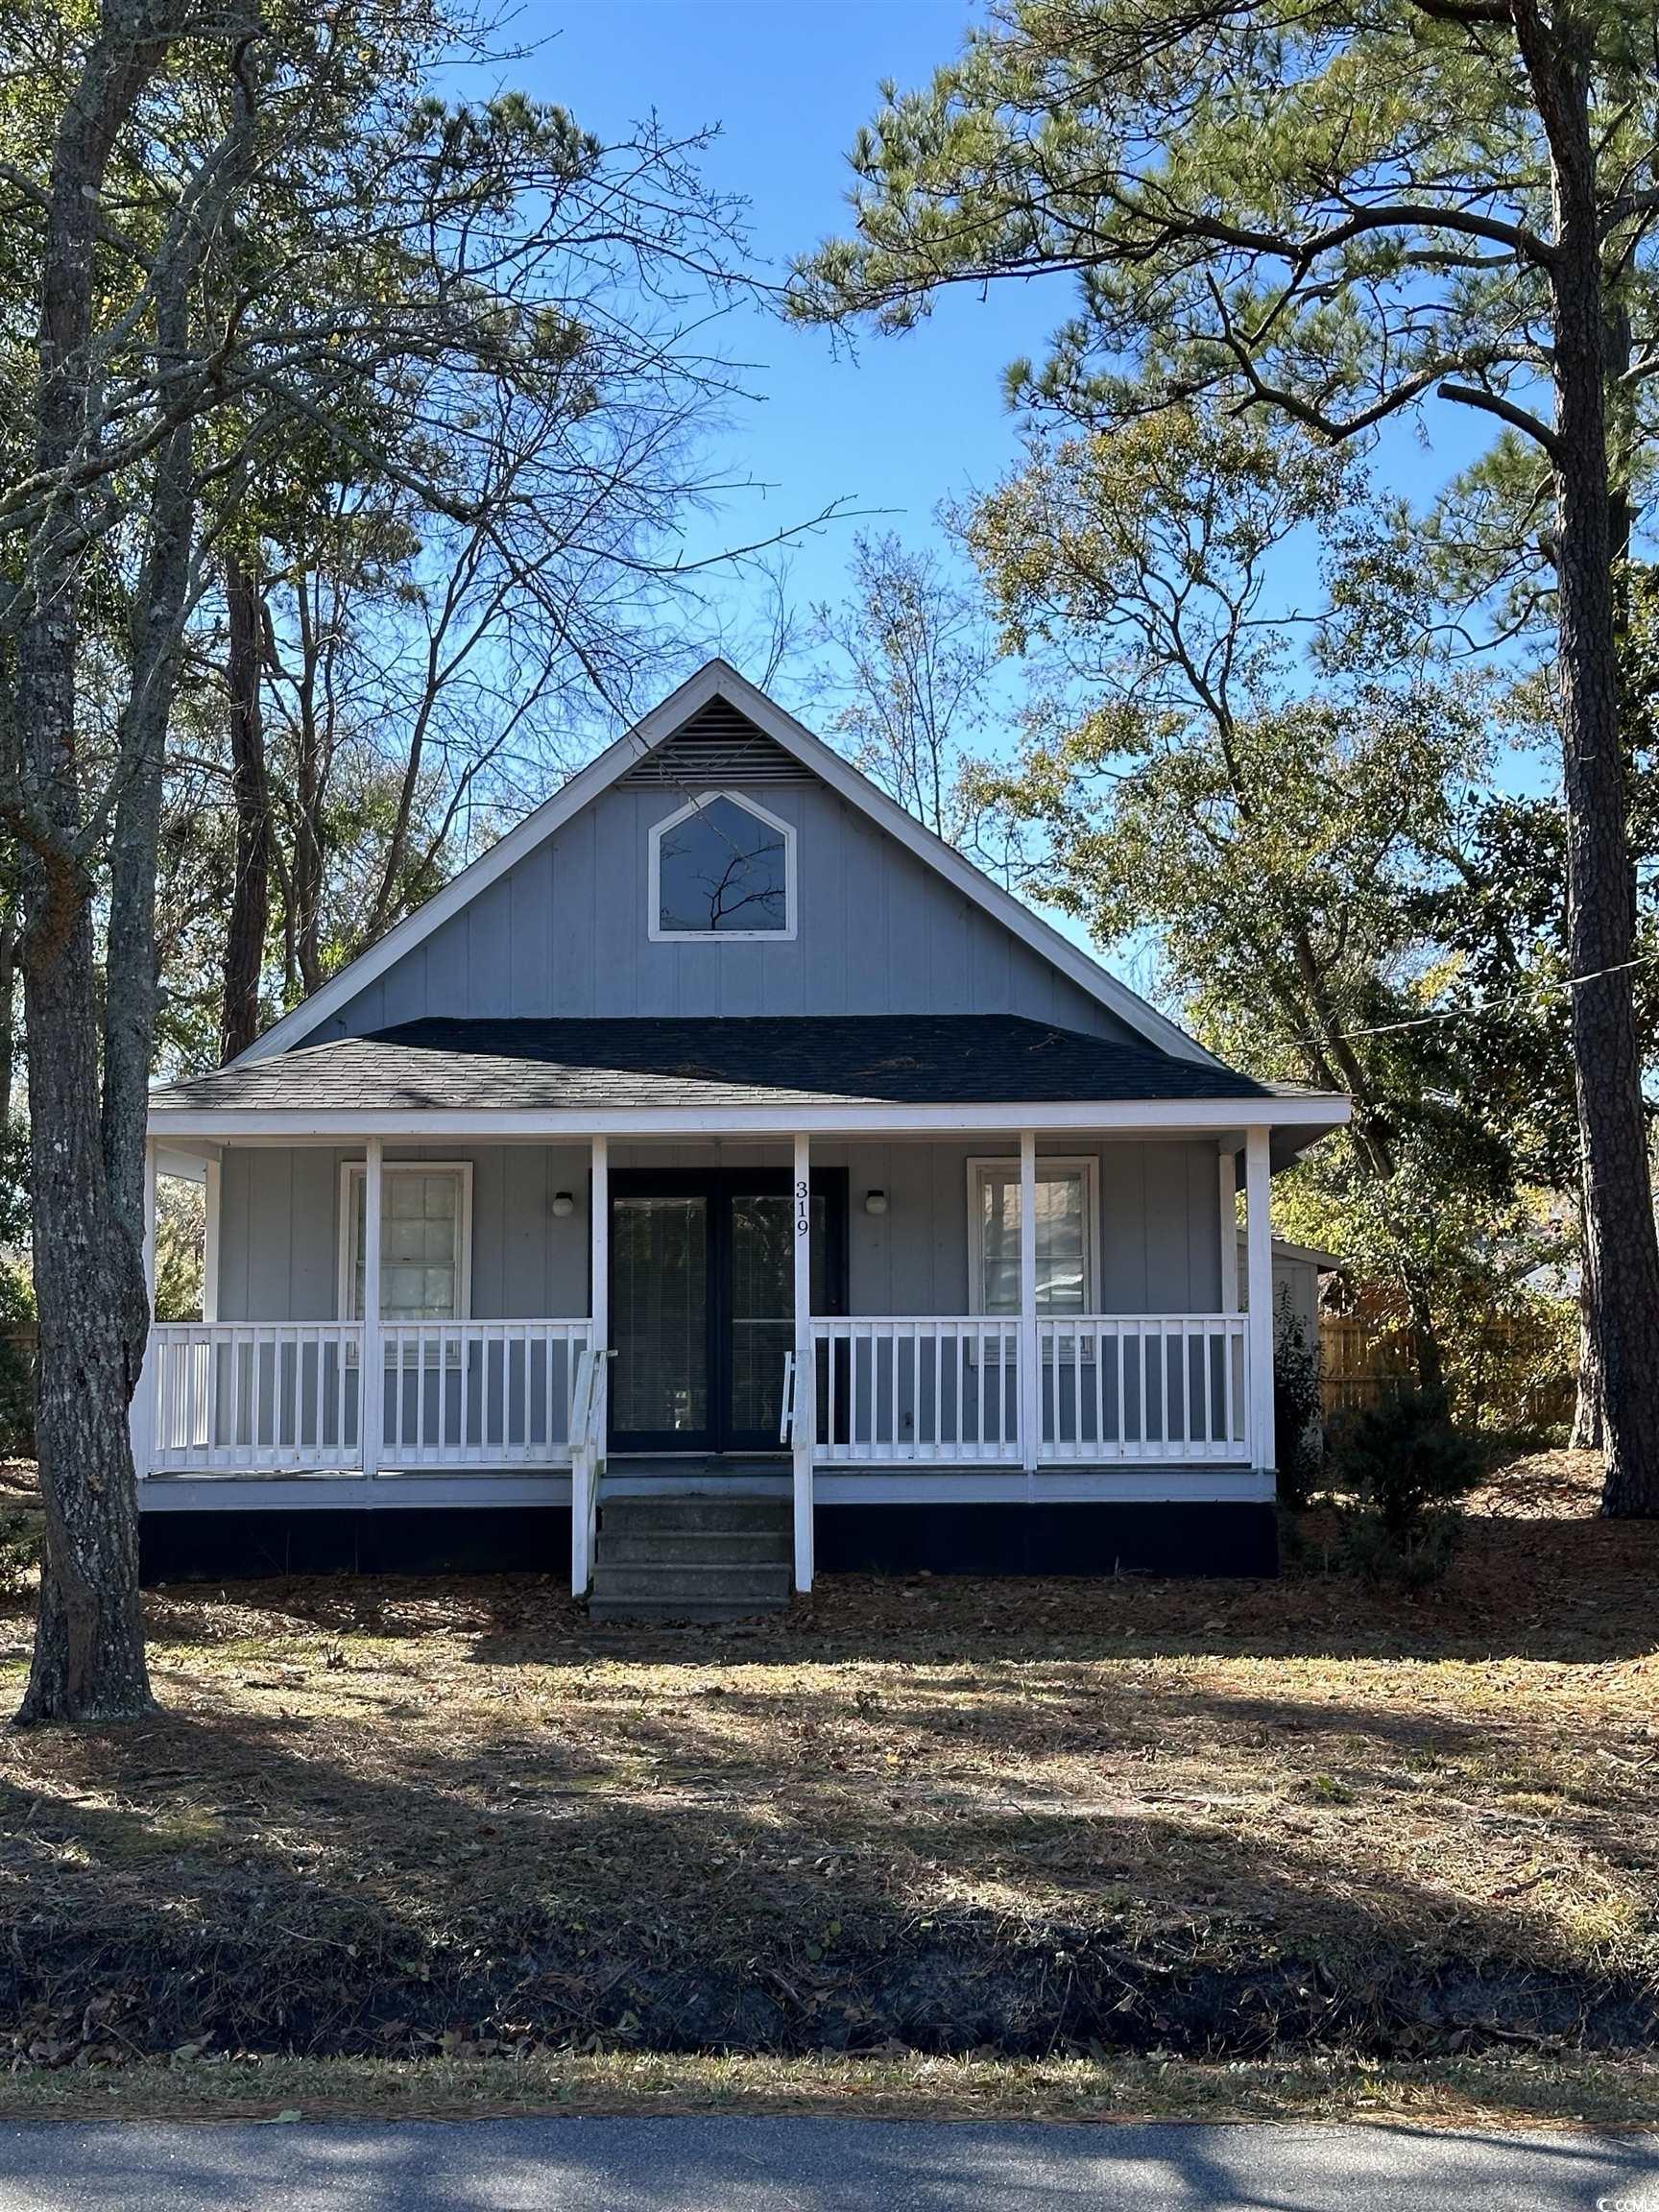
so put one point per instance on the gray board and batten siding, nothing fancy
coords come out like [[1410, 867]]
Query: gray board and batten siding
[[1157, 1236], [565, 931]]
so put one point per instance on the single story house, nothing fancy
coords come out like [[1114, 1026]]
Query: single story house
[[722, 1144]]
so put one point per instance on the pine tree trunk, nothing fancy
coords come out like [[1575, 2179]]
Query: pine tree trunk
[[1621, 1251], [250, 914]]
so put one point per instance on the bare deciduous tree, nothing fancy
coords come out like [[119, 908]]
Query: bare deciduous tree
[[913, 655], [416, 270]]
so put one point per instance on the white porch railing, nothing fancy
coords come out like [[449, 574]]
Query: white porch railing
[[262, 1398], [947, 1391], [942, 1391], [479, 1393], [285, 1397], [1163, 1386]]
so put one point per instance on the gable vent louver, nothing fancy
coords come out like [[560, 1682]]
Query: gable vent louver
[[719, 745]]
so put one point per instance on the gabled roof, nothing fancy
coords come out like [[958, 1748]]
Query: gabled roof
[[718, 680]]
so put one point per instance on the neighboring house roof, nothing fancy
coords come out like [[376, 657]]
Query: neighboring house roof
[[1327, 1263], [765, 1060], [628, 757]]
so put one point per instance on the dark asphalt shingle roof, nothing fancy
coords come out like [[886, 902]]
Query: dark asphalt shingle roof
[[887, 1059]]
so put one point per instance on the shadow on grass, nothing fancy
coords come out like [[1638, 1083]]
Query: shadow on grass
[[603, 1869]]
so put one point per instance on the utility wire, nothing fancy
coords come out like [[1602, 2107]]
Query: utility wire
[[1486, 1005]]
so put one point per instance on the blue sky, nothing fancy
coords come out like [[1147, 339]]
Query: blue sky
[[907, 421]]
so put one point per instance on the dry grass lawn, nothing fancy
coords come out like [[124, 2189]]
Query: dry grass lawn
[[1063, 1833]]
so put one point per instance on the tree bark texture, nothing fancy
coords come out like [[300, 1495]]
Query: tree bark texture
[[309, 779], [250, 914], [88, 1659]]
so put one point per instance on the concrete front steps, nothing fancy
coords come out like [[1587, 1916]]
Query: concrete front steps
[[694, 1556]]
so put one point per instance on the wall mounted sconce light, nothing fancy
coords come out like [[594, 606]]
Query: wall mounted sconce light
[[564, 1205], [875, 1201]]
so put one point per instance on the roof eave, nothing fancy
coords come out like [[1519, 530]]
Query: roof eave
[[1295, 1123]]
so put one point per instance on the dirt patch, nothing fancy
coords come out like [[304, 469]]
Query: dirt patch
[[1029, 1820]]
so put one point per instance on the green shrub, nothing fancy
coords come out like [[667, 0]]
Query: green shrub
[[1295, 1407], [1404, 1468], [17, 1364], [22, 1539]]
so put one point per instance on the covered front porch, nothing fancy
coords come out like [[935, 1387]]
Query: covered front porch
[[855, 1318]]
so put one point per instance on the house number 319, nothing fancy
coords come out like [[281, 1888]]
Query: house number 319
[[803, 1210]]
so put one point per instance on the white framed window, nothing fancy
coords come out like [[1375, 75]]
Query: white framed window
[[722, 870], [1067, 1236], [425, 1240]]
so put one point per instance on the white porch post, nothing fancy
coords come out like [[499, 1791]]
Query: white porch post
[[599, 1243], [584, 1460], [1227, 1194], [1258, 1254], [372, 1366], [210, 1238], [1030, 1365], [805, 1431], [141, 1413]]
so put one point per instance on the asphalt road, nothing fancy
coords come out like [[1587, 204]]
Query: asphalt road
[[736, 2165]]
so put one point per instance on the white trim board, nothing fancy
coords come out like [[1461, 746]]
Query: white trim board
[[718, 679], [1316, 1112]]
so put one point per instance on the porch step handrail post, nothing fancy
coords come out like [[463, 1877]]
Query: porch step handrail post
[[1259, 1260], [599, 1247], [587, 1435], [1030, 1368], [581, 1474], [141, 1413], [805, 1427], [371, 1367]]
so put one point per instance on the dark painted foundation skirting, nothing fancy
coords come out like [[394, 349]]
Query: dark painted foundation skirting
[[428, 1540], [1088, 1537]]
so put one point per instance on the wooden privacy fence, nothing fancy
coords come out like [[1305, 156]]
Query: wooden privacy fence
[[1359, 1363], [1512, 1373]]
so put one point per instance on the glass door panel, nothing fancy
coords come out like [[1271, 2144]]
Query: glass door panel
[[659, 1318], [703, 1303], [763, 1312]]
